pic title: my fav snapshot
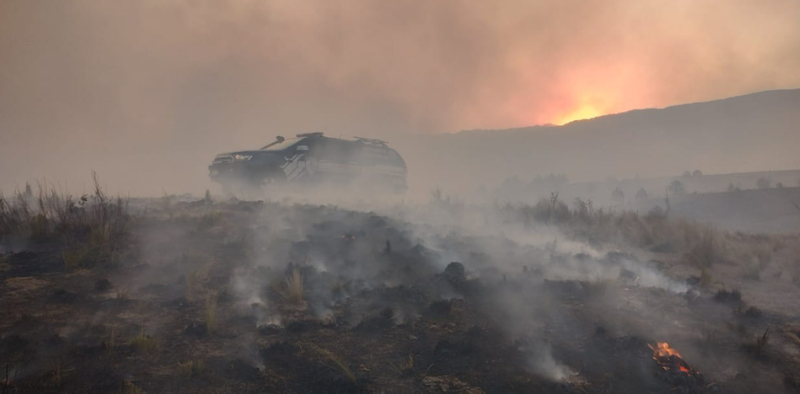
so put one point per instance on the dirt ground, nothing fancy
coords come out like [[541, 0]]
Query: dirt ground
[[254, 297]]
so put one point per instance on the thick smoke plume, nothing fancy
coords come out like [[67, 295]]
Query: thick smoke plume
[[147, 91]]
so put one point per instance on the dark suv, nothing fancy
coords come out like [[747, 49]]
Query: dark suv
[[312, 159]]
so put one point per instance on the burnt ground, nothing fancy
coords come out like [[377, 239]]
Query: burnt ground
[[201, 300]]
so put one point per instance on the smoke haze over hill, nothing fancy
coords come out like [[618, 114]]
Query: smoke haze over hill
[[740, 134]]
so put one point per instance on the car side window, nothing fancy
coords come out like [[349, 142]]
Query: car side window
[[338, 151], [373, 155]]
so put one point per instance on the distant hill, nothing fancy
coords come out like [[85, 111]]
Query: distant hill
[[600, 192], [754, 132]]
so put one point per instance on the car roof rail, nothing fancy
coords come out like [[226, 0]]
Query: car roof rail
[[370, 141], [314, 134]]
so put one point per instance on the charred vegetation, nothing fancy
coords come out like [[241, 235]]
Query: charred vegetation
[[246, 296]]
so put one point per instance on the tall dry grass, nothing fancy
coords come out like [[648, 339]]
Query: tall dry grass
[[338, 363], [292, 290], [91, 227], [700, 244]]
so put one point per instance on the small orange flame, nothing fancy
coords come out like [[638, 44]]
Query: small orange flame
[[667, 357]]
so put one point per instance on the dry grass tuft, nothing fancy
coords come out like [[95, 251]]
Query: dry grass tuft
[[191, 369], [8, 382], [793, 337], [292, 290], [122, 295], [406, 367], [338, 363], [144, 343], [73, 258], [4, 265], [130, 388], [110, 343], [57, 369], [192, 283], [195, 278], [211, 313], [705, 251], [761, 343]]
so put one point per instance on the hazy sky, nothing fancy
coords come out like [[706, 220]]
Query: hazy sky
[[84, 82]]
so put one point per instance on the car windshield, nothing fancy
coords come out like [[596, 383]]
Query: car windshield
[[282, 145]]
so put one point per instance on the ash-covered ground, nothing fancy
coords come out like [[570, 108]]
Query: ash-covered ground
[[162, 296]]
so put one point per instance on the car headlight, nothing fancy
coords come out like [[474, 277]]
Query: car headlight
[[242, 157]]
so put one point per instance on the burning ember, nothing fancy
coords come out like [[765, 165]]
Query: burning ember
[[669, 359], [675, 370]]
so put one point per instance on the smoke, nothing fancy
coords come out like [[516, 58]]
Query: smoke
[[147, 92], [545, 365]]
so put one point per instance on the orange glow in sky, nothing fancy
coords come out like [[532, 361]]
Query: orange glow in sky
[[584, 106], [591, 103], [585, 92], [583, 111]]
